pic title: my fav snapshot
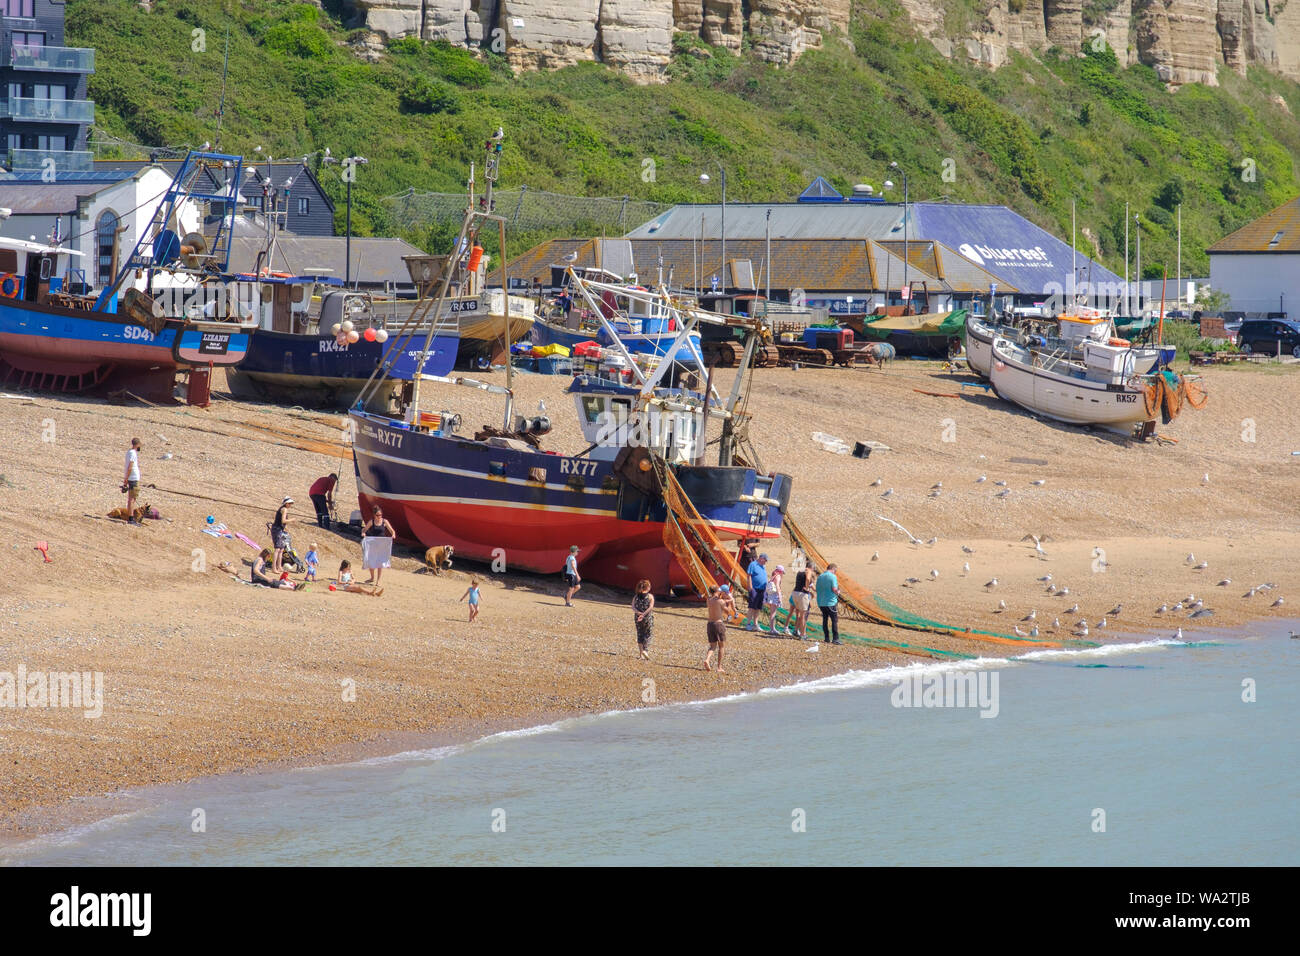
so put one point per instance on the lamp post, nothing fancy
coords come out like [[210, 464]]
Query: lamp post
[[902, 172], [704, 180], [1137, 230], [349, 175]]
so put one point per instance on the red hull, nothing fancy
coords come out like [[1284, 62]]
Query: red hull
[[617, 553]]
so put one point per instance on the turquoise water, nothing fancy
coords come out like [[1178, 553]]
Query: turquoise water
[[1155, 734]]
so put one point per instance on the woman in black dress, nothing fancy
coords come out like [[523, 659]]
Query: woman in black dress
[[377, 527], [643, 609]]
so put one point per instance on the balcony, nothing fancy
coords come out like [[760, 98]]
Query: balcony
[[52, 59], [48, 111], [65, 160]]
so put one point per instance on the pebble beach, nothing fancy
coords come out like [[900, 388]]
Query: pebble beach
[[205, 675]]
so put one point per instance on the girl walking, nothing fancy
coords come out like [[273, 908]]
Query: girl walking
[[471, 592], [643, 614]]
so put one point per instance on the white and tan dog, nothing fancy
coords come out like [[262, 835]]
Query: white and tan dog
[[438, 559]]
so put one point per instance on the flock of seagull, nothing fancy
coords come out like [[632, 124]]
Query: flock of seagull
[[936, 490], [1192, 604]]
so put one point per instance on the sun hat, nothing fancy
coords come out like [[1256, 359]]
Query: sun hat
[[287, 500]]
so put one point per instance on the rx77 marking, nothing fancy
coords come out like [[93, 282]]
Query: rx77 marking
[[574, 466]]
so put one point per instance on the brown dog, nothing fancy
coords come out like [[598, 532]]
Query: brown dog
[[121, 514], [438, 559]]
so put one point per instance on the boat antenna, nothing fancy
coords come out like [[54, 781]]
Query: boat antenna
[[221, 108]]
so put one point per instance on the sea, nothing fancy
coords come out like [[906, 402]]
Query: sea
[[1144, 752]]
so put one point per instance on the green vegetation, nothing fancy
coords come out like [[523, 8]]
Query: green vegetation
[[1033, 135]]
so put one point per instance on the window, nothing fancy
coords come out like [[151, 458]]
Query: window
[[18, 8], [105, 240], [57, 144], [304, 206], [34, 41]]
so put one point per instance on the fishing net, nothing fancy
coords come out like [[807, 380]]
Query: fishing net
[[692, 541]]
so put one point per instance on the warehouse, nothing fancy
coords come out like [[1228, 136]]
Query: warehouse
[[1257, 266]]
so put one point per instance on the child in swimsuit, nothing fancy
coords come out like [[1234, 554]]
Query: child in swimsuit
[[344, 582], [313, 559], [472, 593]]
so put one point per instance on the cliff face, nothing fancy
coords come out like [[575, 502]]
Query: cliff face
[[1186, 41], [633, 35]]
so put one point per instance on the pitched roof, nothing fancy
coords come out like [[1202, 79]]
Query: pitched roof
[[1275, 231], [819, 190], [375, 261]]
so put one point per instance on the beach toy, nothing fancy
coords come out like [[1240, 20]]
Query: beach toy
[[44, 548], [211, 519], [333, 588], [368, 335], [381, 335]]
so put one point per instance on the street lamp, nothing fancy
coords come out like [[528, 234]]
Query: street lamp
[[349, 174], [902, 172], [704, 180], [1137, 228]]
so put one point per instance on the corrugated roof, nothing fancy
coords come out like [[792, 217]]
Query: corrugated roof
[[374, 260], [1275, 231], [789, 221]]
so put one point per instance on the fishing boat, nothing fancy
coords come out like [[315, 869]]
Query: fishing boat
[[1069, 332], [1103, 389], [170, 306], [324, 361], [501, 496], [927, 334]]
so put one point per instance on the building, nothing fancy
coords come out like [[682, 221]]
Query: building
[[1022, 259], [45, 116], [1258, 266]]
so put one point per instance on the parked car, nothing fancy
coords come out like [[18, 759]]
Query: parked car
[[1263, 336]]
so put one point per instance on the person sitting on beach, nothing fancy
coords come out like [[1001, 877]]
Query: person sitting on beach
[[471, 592], [312, 559], [721, 607], [344, 581], [757, 572], [773, 600], [262, 575], [643, 615]]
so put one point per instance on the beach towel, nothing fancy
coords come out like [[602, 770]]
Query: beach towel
[[376, 552], [248, 541]]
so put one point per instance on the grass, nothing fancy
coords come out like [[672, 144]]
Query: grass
[[1033, 135]]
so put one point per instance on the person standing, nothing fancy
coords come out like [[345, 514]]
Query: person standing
[[472, 593], [643, 614], [131, 479], [801, 600], [572, 579], [321, 493], [757, 572], [721, 607], [279, 539], [377, 527], [773, 599], [828, 599]]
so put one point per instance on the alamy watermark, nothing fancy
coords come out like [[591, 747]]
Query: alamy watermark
[[23, 689], [974, 689]]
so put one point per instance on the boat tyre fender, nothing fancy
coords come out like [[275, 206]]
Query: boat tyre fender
[[9, 285], [1124, 343]]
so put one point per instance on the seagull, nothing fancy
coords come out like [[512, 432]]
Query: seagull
[[1038, 543], [1178, 606], [877, 483], [934, 574], [1114, 612], [572, 256], [1033, 631], [1003, 493], [1178, 634], [910, 581], [1202, 566], [1082, 623], [1074, 609], [814, 649], [1062, 592], [1019, 632], [1046, 577], [1002, 606], [1191, 598], [937, 486], [888, 493], [992, 583], [1205, 478], [875, 555], [1162, 609], [1277, 603], [966, 550], [1051, 589], [1000, 483], [1081, 632], [1040, 481], [981, 479], [932, 541], [965, 568], [1101, 623], [1251, 593], [911, 538], [1191, 558], [1032, 615], [935, 494], [1056, 623], [1224, 583], [1203, 612], [1197, 606]]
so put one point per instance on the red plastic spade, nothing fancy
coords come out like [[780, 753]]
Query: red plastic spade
[[44, 548]]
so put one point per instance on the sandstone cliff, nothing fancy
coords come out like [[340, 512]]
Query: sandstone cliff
[[1186, 41]]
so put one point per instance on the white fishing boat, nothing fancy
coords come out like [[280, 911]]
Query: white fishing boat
[[1072, 333], [1102, 389]]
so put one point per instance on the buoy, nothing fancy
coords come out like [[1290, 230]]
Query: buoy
[[353, 336], [335, 329], [368, 335], [381, 335], [1124, 343], [347, 326], [475, 257]]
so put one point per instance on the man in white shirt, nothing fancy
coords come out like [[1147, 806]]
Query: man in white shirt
[[131, 478]]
